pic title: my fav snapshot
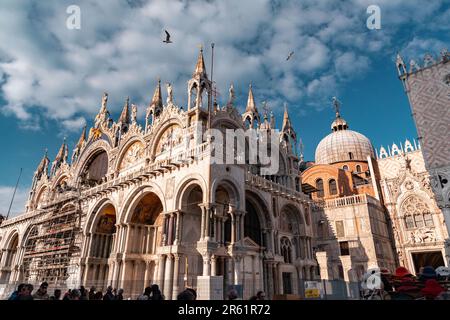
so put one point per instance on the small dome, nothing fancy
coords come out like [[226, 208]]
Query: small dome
[[343, 145], [339, 124]]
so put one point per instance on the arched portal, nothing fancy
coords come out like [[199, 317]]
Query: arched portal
[[190, 205], [10, 262], [100, 247], [190, 229], [144, 232]]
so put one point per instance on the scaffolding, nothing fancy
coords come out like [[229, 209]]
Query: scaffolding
[[53, 245]]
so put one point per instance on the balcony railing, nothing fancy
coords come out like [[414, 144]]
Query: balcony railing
[[196, 153], [347, 201], [268, 185]]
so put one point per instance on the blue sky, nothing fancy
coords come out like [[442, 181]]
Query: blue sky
[[52, 78]]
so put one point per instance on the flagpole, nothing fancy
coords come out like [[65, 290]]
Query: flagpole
[[14, 193]]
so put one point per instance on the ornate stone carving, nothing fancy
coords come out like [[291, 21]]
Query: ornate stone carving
[[134, 153], [422, 235]]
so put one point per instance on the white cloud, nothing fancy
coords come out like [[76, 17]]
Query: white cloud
[[74, 125], [418, 47], [62, 73], [18, 207], [348, 64]]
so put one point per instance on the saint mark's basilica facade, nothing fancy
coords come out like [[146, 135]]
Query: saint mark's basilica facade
[[141, 204]]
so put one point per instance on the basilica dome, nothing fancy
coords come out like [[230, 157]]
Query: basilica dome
[[343, 145]]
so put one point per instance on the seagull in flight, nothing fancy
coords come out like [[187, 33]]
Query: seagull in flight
[[290, 55], [167, 37]]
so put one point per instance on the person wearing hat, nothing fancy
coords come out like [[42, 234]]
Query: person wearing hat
[[432, 289], [405, 285], [427, 273], [442, 273], [41, 293]]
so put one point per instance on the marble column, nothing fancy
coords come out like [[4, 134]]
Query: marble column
[[207, 265], [176, 279], [233, 227], [146, 274], [161, 270], [237, 270], [164, 230], [202, 225], [213, 265], [178, 228], [170, 231], [322, 260], [168, 278], [207, 222]]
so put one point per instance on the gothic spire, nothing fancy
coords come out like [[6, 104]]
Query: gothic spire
[[288, 133], [125, 115], [200, 69], [61, 156], [286, 120], [251, 106], [157, 97], [251, 115], [82, 137], [44, 162]]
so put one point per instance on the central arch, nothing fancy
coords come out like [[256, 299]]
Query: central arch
[[100, 246], [144, 230]]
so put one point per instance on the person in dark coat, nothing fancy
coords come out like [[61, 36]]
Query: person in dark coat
[[109, 294], [119, 295], [156, 293], [185, 295], [56, 295], [91, 294]]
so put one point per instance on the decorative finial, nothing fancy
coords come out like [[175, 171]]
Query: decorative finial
[[104, 100], [445, 55], [169, 93], [265, 108], [337, 106]]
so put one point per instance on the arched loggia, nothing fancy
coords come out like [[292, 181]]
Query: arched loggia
[[100, 247], [144, 233], [9, 262]]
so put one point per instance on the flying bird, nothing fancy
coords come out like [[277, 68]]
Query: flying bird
[[167, 37], [290, 55]]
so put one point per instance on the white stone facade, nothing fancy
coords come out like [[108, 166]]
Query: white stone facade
[[427, 86], [142, 205]]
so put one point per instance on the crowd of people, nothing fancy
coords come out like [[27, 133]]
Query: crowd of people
[[25, 292], [429, 284], [377, 284]]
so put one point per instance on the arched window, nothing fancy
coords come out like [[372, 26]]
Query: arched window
[[358, 168], [332, 186], [345, 167], [428, 218], [409, 222], [319, 187], [252, 227], [416, 213], [350, 155], [286, 250]]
